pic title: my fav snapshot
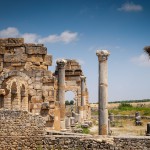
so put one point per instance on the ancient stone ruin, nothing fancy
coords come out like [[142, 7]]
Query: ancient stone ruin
[[32, 102], [27, 84]]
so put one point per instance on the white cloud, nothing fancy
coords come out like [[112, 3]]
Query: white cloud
[[9, 32], [30, 37], [142, 60], [65, 37], [130, 7]]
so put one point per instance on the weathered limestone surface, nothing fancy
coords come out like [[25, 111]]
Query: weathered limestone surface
[[27, 84], [103, 91]]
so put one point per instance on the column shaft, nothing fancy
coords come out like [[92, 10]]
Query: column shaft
[[61, 90], [103, 92]]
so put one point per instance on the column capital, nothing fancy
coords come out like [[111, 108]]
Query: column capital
[[61, 63], [102, 54], [82, 78]]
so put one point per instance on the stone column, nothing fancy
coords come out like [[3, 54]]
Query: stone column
[[103, 91], [83, 94], [61, 90], [81, 107]]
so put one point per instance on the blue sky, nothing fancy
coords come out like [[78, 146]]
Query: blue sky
[[77, 28]]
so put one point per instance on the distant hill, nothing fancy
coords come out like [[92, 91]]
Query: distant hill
[[131, 101]]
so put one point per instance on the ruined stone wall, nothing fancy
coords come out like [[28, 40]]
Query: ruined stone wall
[[73, 73], [21, 130], [25, 82], [20, 123]]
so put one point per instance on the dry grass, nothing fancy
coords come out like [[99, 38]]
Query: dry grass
[[124, 128]]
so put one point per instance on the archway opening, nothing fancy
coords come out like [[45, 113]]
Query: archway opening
[[1, 101], [13, 95], [22, 94], [70, 103]]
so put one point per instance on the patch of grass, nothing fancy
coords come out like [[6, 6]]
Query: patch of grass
[[86, 130], [128, 109]]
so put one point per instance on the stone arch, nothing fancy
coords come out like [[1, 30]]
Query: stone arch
[[16, 96], [76, 94], [26, 81], [15, 73]]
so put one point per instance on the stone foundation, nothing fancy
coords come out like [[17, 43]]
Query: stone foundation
[[20, 130]]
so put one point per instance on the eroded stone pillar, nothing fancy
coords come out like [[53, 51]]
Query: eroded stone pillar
[[61, 90], [83, 94], [103, 91]]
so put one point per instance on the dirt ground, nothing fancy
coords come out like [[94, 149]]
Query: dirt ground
[[124, 128]]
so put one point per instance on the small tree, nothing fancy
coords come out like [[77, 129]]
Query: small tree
[[71, 102], [67, 102]]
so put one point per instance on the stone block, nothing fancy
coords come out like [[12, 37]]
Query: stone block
[[45, 88], [2, 50], [1, 66], [47, 79], [37, 85], [36, 63], [38, 73], [30, 81], [71, 83], [51, 93], [2, 92], [15, 58], [48, 60], [39, 93], [36, 50], [49, 98], [7, 65], [16, 64], [28, 66], [35, 58], [19, 50], [15, 40], [47, 73], [43, 67], [36, 99]]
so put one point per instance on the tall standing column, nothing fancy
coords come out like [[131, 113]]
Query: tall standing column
[[81, 108], [61, 90], [83, 94], [103, 91]]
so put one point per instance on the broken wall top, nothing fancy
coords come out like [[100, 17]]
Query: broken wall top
[[15, 53], [72, 68]]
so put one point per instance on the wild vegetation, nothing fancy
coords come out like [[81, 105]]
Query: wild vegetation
[[128, 109]]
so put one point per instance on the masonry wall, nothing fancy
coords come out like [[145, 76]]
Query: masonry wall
[[20, 130], [72, 143]]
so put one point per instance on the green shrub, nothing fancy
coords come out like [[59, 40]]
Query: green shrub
[[125, 106]]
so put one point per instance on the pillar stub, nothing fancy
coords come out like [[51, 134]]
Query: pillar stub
[[102, 55], [61, 63]]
